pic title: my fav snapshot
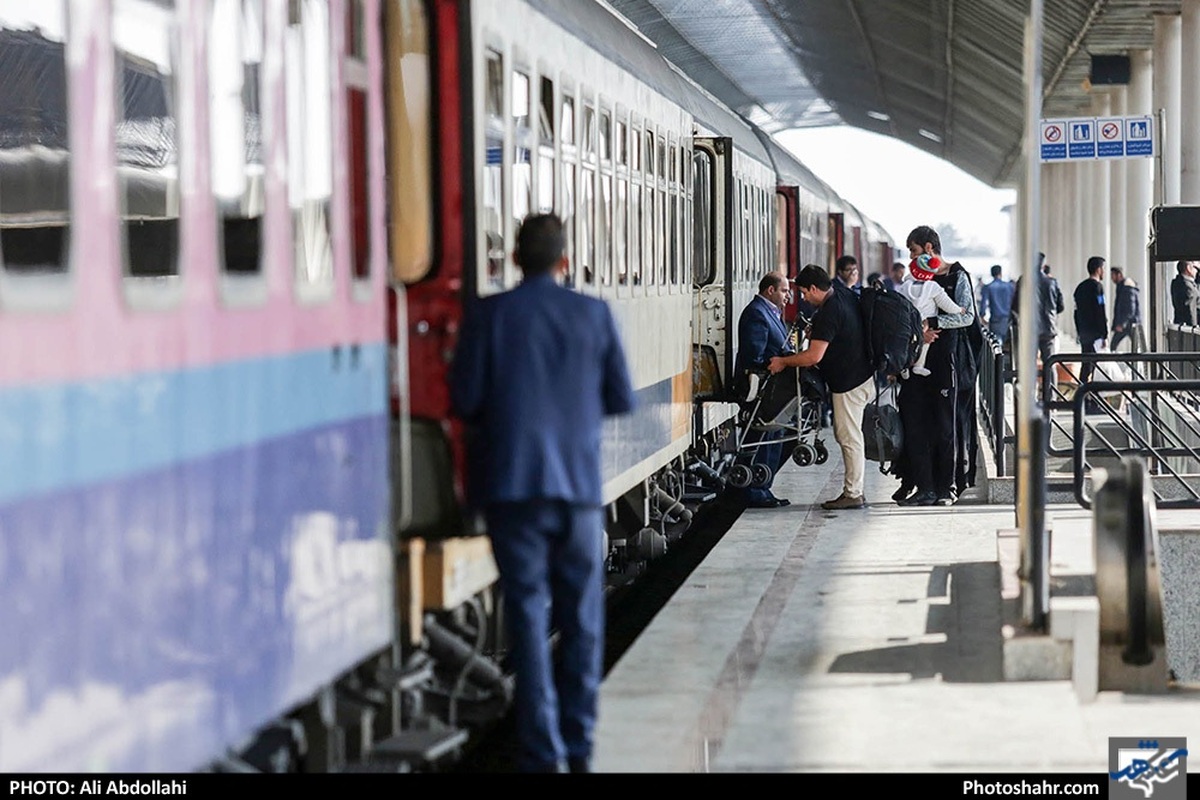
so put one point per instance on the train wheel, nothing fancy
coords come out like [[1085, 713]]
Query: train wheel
[[762, 475], [822, 453], [740, 476]]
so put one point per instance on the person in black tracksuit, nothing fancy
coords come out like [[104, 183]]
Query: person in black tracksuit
[[1091, 319], [936, 462]]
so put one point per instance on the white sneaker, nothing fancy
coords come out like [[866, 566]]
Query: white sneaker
[[921, 371]]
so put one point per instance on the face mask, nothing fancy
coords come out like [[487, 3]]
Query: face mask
[[924, 266]]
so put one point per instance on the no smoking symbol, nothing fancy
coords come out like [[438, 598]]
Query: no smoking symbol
[[1110, 131], [1053, 133]]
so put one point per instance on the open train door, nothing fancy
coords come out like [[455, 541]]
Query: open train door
[[837, 238], [713, 339], [787, 239]]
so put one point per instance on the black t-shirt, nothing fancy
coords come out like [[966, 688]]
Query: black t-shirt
[[838, 322]]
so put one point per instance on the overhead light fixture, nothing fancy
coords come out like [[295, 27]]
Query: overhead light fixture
[[879, 115], [930, 135]]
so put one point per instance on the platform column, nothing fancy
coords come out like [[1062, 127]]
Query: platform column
[[1189, 105], [1117, 194], [1167, 45], [1138, 175]]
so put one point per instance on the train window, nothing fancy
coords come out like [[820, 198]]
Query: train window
[[235, 127], [589, 131], [605, 136], [649, 153], [673, 174], [546, 147], [585, 253], [673, 236], [781, 237], [308, 86], [568, 120], [493, 170], [636, 230], [356, 30], [35, 154], [620, 217], [568, 218], [410, 183], [522, 165], [147, 148], [604, 229], [662, 158], [355, 69], [635, 150], [622, 144]]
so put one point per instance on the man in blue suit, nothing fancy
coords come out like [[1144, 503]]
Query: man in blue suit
[[762, 333], [536, 371]]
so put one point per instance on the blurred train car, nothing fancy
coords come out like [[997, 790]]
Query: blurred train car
[[237, 239], [194, 517]]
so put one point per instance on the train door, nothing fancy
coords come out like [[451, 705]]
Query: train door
[[837, 238], [712, 165], [787, 238]]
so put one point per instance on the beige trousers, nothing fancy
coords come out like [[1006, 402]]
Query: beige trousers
[[847, 430]]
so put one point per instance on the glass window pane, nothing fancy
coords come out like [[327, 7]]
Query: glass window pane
[[235, 130], [568, 120], [35, 188], [702, 263], [522, 164], [620, 226], [587, 226], [546, 112], [147, 148], [308, 82], [493, 171]]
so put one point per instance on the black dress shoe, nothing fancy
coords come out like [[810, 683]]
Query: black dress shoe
[[920, 499], [769, 502], [904, 491]]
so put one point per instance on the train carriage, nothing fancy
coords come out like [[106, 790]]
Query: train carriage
[[237, 240]]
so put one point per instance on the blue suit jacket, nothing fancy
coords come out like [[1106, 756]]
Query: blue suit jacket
[[761, 335], [536, 371]]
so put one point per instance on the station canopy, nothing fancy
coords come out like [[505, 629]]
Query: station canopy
[[946, 76]]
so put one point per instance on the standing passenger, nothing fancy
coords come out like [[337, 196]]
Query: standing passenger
[[837, 345], [847, 271], [995, 303], [536, 371], [1127, 312], [1185, 294], [1091, 320]]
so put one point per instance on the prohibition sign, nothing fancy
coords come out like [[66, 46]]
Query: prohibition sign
[[1110, 130], [1053, 133]]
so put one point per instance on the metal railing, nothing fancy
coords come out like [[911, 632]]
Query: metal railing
[[995, 375], [1133, 404]]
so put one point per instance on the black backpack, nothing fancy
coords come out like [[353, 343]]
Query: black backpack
[[892, 329]]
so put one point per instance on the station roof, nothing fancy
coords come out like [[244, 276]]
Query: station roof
[[946, 76]]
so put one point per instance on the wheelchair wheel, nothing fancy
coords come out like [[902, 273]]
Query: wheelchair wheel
[[822, 453], [762, 475], [740, 476], [804, 454]]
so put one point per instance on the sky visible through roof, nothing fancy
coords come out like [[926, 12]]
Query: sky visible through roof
[[901, 187]]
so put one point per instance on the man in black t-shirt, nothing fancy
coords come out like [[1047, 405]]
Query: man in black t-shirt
[[837, 347]]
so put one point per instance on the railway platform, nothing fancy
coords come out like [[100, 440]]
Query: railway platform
[[868, 641]]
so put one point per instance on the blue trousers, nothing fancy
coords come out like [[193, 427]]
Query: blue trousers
[[551, 561]]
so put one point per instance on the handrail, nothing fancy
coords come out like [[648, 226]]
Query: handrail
[[1097, 387]]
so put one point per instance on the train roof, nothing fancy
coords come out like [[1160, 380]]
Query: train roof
[[602, 28]]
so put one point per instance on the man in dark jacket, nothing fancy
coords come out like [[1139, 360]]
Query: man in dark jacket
[[1091, 319], [1185, 294], [1049, 306], [1127, 312]]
